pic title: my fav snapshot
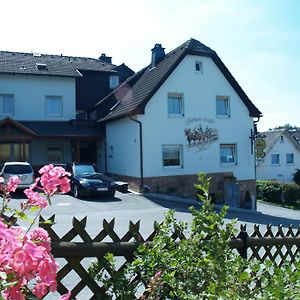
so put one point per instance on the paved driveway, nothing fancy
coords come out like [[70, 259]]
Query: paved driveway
[[126, 207]]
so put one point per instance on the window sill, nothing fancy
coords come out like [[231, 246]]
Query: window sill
[[175, 115], [172, 167], [228, 164], [223, 116]]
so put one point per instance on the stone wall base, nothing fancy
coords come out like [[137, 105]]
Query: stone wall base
[[183, 185]]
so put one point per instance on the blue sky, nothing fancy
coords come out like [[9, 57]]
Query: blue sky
[[258, 40]]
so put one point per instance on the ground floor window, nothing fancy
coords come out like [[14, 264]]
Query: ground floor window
[[228, 154], [172, 155], [14, 152]]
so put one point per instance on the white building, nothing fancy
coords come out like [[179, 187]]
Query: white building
[[282, 157], [183, 114]]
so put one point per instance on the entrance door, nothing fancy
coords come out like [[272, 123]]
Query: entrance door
[[231, 191]]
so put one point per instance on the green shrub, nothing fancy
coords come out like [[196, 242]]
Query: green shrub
[[296, 176], [269, 191], [291, 193]]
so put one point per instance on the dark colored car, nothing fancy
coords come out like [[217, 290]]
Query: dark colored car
[[85, 181]]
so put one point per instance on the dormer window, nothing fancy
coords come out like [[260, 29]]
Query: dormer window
[[113, 81], [198, 67], [41, 67]]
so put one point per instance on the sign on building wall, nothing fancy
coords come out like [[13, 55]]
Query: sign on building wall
[[199, 135]]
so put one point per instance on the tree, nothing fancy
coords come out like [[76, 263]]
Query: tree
[[296, 177]]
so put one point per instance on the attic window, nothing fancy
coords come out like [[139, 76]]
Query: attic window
[[41, 67], [198, 67], [281, 139], [113, 81]]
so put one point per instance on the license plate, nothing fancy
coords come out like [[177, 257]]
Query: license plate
[[102, 189]]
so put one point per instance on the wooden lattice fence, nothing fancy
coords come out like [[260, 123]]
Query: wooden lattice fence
[[277, 244]]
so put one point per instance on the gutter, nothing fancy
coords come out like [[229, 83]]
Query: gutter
[[141, 153]]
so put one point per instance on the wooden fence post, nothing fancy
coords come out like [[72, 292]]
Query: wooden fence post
[[243, 235]]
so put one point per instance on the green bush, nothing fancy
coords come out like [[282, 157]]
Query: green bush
[[291, 193], [269, 191], [296, 176], [274, 192]]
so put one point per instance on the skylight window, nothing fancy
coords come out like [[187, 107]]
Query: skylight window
[[41, 67]]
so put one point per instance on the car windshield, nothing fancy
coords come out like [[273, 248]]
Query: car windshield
[[17, 169], [83, 169]]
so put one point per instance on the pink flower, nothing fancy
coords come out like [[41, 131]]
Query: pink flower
[[65, 296], [54, 179], [34, 199], [1, 179], [12, 184]]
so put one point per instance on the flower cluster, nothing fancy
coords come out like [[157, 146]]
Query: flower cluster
[[25, 257]]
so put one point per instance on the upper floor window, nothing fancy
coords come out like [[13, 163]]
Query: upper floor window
[[290, 158], [275, 159], [6, 105], [113, 81], [172, 155], [175, 105], [222, 104], [198, 67], [228, 154], [54, 106]]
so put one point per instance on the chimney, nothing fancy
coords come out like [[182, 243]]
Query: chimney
[[105, 58], [158, 54]]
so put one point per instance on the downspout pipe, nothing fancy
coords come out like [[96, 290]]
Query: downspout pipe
[[141, 153]]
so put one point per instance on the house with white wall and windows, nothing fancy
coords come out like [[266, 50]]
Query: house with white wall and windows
[[45, 103], [183, 114], [282, 156]]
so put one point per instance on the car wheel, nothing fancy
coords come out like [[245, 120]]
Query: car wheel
[[76, 192]]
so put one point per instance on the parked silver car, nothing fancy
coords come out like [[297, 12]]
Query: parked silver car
[[21, 169]]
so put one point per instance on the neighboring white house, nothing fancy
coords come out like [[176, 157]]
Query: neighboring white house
[[183, 114], [41, 96], [282, 157]]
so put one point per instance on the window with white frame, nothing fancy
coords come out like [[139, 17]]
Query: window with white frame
[[6, 105], [172, 155], [175, 105], [275, 159], [222, 106], [54, 154], [198, 67], [113, 81], [228, 154], [290, 158], [54, 106]]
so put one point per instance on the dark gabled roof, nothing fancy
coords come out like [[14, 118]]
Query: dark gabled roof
[[272, 136], [296, 135], [49, 65], [143, 85]]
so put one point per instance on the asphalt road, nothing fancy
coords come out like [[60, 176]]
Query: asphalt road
[[132, 207]]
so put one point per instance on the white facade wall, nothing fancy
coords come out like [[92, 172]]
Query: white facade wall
[[30, 96], [200, 91], [283, 172], [123, 154]]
